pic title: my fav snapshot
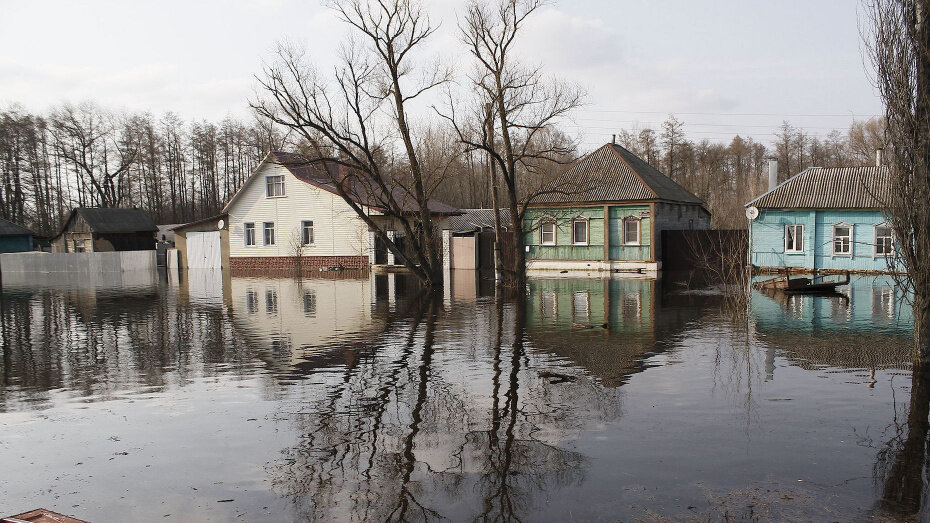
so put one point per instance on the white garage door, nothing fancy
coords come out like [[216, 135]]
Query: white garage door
[[203, 250]]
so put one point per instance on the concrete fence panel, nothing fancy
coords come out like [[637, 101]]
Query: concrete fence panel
[[78, 263]]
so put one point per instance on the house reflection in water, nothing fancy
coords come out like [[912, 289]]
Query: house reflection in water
[[307, 322], [863, 326], [609, 326]]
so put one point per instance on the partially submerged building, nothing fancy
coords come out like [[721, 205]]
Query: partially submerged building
[[607, 212], [824, 219], [290, 207], [98, 229], [15, 238]]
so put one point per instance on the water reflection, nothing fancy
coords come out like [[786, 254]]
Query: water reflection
[[362, 397], [866, 325]]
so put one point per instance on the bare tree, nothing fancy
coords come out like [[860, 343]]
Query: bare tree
[[898, 41], [341, 121], [518, 105], [100, 148]]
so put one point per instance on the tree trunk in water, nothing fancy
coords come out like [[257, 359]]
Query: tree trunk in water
[[517, 276], [904, 484], [921, 307]]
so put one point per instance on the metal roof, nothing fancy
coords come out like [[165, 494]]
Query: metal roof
[[8, 228], [613, 173], [830, 188], [472, 219]]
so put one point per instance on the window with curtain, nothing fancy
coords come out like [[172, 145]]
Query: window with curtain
[[306, 232], [631, 229], [269, 233], [794, 238], [547, 233], [274, 186], [580, 232]]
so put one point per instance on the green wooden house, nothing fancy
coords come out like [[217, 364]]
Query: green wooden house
[[606, 212], [15, 238]]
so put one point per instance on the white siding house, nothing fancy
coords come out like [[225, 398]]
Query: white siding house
[[289, 207], [276, 213]]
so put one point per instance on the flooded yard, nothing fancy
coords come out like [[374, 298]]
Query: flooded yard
[[361, 398]]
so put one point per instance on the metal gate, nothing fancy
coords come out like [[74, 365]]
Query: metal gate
[[203, 250]]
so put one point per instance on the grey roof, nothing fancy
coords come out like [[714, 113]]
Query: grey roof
[[8, 228], [114, 220], [472, 219], [830, 188], [324, 173], [613, 173]]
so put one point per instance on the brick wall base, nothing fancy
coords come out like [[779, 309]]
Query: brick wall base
[[253, 263]]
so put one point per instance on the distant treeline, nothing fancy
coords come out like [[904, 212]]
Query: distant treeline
[[726, 176], [86, 155]]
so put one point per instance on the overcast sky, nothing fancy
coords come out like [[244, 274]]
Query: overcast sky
[[723, 67]]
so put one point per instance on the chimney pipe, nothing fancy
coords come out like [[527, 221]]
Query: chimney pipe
[[613, 139], [773, 173], [879, 153]]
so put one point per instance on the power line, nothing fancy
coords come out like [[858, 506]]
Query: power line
[[674, 113]]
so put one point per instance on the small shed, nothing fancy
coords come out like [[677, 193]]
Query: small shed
[[203, 244], [15, 238], [473, 238], [94, 229]]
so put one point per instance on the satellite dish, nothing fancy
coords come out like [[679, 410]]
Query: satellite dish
[[752, 213], [220, 224]]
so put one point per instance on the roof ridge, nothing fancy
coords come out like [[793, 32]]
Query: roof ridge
[[613, 148]]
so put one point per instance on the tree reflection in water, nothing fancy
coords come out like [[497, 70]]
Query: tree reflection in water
[[903, 462], [411, 436]]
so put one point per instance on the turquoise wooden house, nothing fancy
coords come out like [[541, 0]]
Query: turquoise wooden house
[[15, 238], [824, 220], [606, 212]]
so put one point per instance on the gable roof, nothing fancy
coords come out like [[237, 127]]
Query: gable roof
[[113, 220], [830, 188], [323, 172], [8, 228], [613, 173]]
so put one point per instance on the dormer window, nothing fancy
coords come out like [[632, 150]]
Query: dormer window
[[274, 186]]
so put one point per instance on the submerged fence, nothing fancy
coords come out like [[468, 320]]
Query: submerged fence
[[77, 263]]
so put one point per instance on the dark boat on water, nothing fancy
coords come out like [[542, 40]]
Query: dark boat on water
[[802, 285]]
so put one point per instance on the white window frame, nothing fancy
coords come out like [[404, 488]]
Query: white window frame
[[542, 231], [272, 186], [305, 239], [890, 240], [849, 237], [639, 230], [795, 249], [265, 229], [587, 231], [246, 228]]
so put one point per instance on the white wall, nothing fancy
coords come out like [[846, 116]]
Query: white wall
[[307, 314], [338, 231]]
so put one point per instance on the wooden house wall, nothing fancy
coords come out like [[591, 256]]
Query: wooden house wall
[[132, 241], [620, 251], [21, 243], [597, 235], [563, 248], [768, 240]]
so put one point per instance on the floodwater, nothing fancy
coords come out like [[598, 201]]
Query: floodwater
[[350, 397]]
